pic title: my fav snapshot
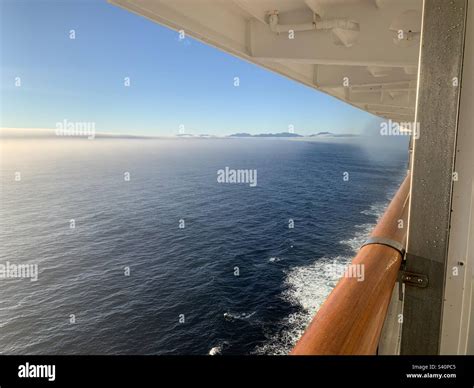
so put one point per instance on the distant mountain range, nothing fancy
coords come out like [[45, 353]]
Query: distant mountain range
[[330, 134], [281, 134], [288, 134], [190, 135]]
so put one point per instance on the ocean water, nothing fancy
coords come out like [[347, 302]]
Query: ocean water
[[181, 295]]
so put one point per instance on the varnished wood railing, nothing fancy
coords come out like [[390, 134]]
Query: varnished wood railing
[[351, 319]]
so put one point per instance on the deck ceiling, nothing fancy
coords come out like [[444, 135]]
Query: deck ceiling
[[373, 66]]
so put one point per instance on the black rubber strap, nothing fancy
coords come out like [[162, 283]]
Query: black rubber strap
[[388, 242]]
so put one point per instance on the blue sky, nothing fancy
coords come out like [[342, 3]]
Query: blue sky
[[173, 82]]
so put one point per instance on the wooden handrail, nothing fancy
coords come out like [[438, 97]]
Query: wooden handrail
[[351, 319]]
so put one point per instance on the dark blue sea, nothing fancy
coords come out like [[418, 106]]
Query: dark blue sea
[[181, 295]]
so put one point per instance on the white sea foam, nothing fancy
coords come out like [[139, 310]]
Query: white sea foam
[[215, 351], [375, 209], [309, 286], [234, 316], [360, 236]]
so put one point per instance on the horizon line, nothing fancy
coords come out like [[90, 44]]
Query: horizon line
[[15, 132]]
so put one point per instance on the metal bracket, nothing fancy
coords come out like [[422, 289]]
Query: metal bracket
[[410, 279], [387, 242], [413, 279]]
